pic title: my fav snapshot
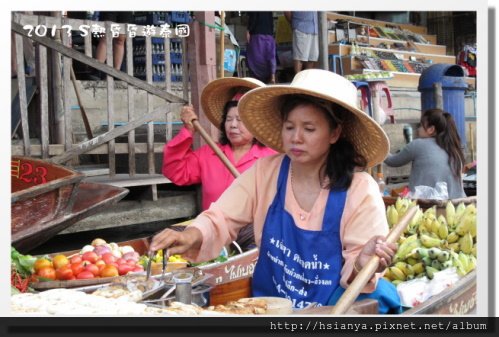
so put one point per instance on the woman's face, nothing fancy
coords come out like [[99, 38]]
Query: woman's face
[[306, 134], [236, 132], [425, 131]]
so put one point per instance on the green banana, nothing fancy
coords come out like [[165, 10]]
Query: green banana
[[447, 264], [443, 256], [429, 242], [437, 265], [427, 261], [472, 225], [420, 253], [430, 272], [472, 263], [434, 252]]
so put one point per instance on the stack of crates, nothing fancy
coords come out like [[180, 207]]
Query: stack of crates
[[158, 50]]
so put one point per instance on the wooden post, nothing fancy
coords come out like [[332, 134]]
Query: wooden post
[[202, 58], [222, 42], [150, 125], [41, 69], [131, 106], [110, 99], [323, 40], [438, 95]]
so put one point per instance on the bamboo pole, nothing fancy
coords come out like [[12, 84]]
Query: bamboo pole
[[222, 41], [215, 148], [365, 274]]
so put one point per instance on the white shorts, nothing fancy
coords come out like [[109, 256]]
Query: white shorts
[[305, 46]]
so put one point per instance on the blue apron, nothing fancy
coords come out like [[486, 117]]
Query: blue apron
[[301, 265], [304, 266]]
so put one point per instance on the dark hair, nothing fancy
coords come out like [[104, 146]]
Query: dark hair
[[223, 139], [446, 136], [342, 159]]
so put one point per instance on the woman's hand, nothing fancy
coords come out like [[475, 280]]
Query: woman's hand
[[377, 245], [187, 114], [177, 242]]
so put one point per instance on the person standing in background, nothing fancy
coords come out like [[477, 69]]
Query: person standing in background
[[118, 42], [261, 50], [305, 39]]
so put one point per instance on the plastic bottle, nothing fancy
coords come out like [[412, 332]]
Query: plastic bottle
[[381, 183]]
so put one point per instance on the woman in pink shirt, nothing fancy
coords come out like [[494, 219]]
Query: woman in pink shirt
[[318, 217], [185, 166]]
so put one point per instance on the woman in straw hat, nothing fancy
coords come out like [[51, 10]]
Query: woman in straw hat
[[318, 218], [184, 166]]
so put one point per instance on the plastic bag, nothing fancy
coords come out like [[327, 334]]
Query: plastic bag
[[439, 192]]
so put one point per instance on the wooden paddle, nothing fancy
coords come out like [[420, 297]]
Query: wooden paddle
[[215, 148], [365, 274]]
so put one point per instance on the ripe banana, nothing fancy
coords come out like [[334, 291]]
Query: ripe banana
[[411, 260], [392, 215], [459, 212], [443, 229], [450, 214], [396, 282], [464, 259], [452, 237], [454, 246], [397, 274], [466, 243], [464, 225], [418, 268], [430, 242], [473, 250], [435, 228], [407, 247]]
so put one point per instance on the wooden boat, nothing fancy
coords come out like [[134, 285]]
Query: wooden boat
[[40, 192], [231, 280], [47, 198]]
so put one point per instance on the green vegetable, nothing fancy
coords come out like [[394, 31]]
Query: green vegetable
[[23, 264]]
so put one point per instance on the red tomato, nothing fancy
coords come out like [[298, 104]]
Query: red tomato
[[131, 262], [75, 259], [108, 258], [64, 273], [77, 267], [47, 272], [90, 257], [109, 271], [138, 268], [93, 269], [124, 268], [85, 275]]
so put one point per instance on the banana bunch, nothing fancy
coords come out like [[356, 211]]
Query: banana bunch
[[433, 241]]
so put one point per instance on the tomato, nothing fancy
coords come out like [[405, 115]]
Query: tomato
[[90, 257], [100, 264], [77, 267], [124, 268], [42, 263], [109, 271], [131, 262], [85, 275], [60, 261], [93, 269], [75, 259], [47, 272], [108, 258], [138, 268], [64, 273]]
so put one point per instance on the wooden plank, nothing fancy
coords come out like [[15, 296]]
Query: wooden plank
[[150, 126], [185, 71], [43, 87], [66, 103], [23, 100], [85, 146], [168, 81], [131, 106], [87, 40], [124, 180], [58, 149], [110, 98], [74, 54]]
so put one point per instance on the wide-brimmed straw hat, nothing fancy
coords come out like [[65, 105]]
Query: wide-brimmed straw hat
[[220, 91], [260, 111]]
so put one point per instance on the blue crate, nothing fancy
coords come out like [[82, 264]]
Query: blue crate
[[156, 18], [175, 58], [156, 59], [180, 17]]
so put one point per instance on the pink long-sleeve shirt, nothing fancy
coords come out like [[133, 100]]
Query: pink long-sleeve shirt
[[249, 197], [184, 166]]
